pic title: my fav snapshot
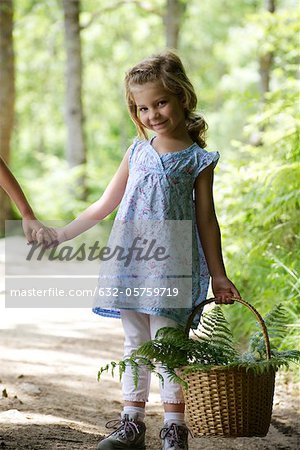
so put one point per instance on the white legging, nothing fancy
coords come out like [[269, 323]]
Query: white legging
[[139, 328]]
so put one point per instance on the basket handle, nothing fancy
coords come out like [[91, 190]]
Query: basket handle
[[259, 319]]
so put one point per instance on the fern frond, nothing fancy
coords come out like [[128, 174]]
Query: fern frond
[[122, 368], [211, 347], [215, 326], [288, 355], [275, 322], [102, 370]]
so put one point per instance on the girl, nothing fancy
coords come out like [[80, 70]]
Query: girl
[[169, 177], [30, 224]]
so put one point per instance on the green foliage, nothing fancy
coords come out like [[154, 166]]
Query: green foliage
[[213, 347], [275, 322], [257, 181], [260, 183]]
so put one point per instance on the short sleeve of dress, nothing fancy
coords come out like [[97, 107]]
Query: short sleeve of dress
[[132, 148], [205, 159]]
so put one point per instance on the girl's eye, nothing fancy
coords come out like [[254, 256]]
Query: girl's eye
[[162, 103], [143, 109]]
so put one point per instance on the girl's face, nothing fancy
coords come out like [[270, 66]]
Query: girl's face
[[158, 110]]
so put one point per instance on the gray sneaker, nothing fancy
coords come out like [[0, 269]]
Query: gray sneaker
[[174, 437], [128, 434]]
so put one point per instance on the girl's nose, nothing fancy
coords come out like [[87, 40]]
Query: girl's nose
[[153, 114]]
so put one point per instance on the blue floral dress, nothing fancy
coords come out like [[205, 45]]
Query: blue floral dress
[[161, 187]]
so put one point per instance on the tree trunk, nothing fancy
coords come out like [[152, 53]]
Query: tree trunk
[[265, 66], [270, 5], [266, 60], [172, 21], [76, 150], [7, 96]]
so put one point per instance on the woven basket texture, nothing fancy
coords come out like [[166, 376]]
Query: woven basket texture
[[229, 401]]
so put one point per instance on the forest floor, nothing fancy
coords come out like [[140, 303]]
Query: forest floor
[[50, 397]]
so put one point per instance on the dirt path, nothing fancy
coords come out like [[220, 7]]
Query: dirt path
[[50, 398]]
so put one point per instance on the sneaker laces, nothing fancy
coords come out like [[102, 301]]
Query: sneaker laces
[[124, 427], [175, 434]]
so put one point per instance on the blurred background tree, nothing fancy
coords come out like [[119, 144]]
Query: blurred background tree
[[242, 57], [75, 146], [7, 96]]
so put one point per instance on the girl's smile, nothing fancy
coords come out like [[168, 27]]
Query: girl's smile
[[159, 110]]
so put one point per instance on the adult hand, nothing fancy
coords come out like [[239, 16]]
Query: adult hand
[[59, 237], [32, 226]]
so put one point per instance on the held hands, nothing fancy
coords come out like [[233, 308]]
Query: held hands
[[32, 227], [42, 237], [36, 232], [224, 290]]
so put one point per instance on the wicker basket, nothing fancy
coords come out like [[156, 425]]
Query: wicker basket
[[229, 402]]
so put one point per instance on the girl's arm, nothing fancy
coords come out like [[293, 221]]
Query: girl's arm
[[110, 199], [30, 224], [210, 237]]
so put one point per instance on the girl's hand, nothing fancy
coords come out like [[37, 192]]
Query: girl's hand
[[224, 290]]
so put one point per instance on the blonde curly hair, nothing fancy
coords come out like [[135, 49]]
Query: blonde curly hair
[[167, 68]]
